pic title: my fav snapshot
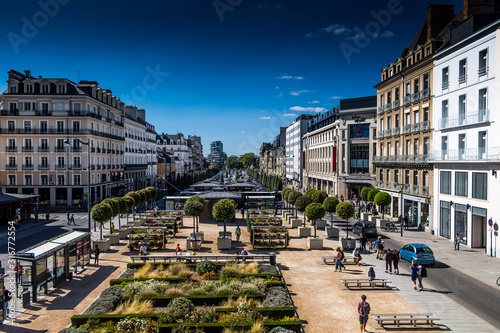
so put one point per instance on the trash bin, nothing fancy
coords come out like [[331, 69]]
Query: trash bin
[[70, 276], [272, 258], [26, 295]]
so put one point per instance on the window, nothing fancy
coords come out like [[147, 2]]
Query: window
[[396, 148], [408, 89], [60, 126], [44, 144], [396, 121], [425, 81], [61, 89], [27, 106], [45, 108], [76, 163], [28, 145], [389, 100], [396, 94], [388, 175], [462, 71], [407, 176], [396, 176], [462, 100], [444, 114], [445, 182], [481, 145], [381, 100], [388, 123], [444, 147], [480, 185], [444, 78], [408, 148], [60, 162], [415, 178], [461, 146], [45, 89], [426, 178], [11, 126], [76, 180], [60, 180], [426, 146], [27, 126], [483, 63], [461, 183], [60, 145], [12, 162], [13, 89], [29, 89], [28, 180], [381, 175], [44, 180], [45, 162], [461, 221], [416, 85], [415, 146], [43, 126], [12, 180], [483, 106], [444, 219], [416, 117]]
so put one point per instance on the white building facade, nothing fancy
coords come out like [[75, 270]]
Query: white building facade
[[294, 150], [467, 138]]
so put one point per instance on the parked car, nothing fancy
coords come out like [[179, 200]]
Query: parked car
[[368, 228], [419, 253]]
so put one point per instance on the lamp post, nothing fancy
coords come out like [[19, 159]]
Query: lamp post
[[66, 142], [401, 218]]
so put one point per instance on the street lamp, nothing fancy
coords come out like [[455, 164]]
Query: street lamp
[[401, 218], [66, 142]]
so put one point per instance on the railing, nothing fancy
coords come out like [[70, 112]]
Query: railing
[[43, 167], [395, 104], [11, 167], [445, 85], [60, 149], [462, 78], [387, 133], [43, 149], [482, 116], [395, 131], [483, 71], [424, 125], [387, 184], [387, 106], [61, 167], [425, 93], [406, 99], [92, 167], [92, 149], [406, 129], [380, 134], [76, 149], [76, 167], [98, 150], [27, 166], [415, 127], [425, 190], [414, 189], [11, 149], [420, 158], [28, 149], [395, 186], [98, 167], [471, 154], [380, 183], [415, 97]]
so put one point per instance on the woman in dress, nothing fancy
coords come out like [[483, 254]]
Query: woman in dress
[[414, 274]]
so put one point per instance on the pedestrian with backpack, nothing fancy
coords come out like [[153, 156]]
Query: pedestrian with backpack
[[363, 311], [377, 245], [422, 272], [395, 261], [338, 259], [7, 296]]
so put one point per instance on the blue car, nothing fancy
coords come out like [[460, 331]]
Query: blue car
[[419, 253]]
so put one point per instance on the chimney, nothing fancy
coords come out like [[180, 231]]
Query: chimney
[[28, 74], [438, 16], [476, 7]]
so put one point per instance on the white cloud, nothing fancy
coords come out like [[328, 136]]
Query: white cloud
[[242, 132], [290, 77], [335, 97], [265, 118], [269, 6], [347, 33], [308, 109], [297, 93], [387, 34], [313, 102], [289, 115]]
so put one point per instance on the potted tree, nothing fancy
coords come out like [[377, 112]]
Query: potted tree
[[314, 212], [382, 199], [115, 210], [319, 197], [330, 204], [123, 204], [371, 197], [130, 202], [224, 210], [197, 210], [292, 196], [101, 213], [345, 210], [364, 197], [137, 201], [300, 205]]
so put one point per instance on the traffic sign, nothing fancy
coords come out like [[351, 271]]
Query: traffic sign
[[495, 227], [490, 222]]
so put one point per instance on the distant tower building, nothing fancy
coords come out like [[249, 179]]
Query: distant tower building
[[217, 154]]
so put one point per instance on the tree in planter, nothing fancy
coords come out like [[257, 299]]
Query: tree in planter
[[315, 212], [137, 200], [301, 203], [143, 196], [284, 194], [204, 206], [122, 204], [382, 199], [330, 204], [130, 202], [364, 193], [292, 196], [194, 209], [115, 208], [345, 210], [224, 210], [310, 192], [101, 213], [371, 195], [319, 196]]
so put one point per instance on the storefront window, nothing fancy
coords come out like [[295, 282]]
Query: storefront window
[[461, 222], [60, 263], [360, 158], [444, 219]]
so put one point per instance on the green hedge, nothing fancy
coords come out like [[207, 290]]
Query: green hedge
[[76, 321], [115, 282], [162, 301], [218, 328]]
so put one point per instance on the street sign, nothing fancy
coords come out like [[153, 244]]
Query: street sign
[[495, 227], [495, 233], [490, 222]]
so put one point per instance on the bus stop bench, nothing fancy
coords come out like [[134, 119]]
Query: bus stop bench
[[410, 318], [346, 260], [382, 283]]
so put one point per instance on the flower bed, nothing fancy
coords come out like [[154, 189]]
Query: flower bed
[[153, 238], [269, 237]]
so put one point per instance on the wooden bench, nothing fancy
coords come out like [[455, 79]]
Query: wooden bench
[[411, 318], [382, 283], [347, 260]]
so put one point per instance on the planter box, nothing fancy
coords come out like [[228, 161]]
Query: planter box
[[113, 238], [190, 245], [223, 243], [286, 214], [304, 231], [104, 245], [137, 223], [290, 217], [227, 235], [320, 224], [381, 223], [365, 216], [295, 223], [122, 233], [332, 232], [314, 243], [199, 235], [347, 243]]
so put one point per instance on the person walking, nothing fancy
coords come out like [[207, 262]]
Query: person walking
[[414, 274], [381, 252], [395, 261], [7, 296], [338, 259], [377, 245], [457, 242], [97, 252], [388, 261], [406, 222], [363, 311], [18, 269], [357, 256], [238, 233], [72, 219], [363, 242], [112, 228], [371, 274], [422, 272]]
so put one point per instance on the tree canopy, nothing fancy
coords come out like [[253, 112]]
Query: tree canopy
[[136, 197], [371, 195], [330, 204], [292, 196], [101, 212], [315, 211], [310, 192], [383, 199], [122, 203], [224, 210], [364, 193], [199, 199], [248, 159], [345, 210], [114, 206], [319, 196], [302, 202], [193, 208]]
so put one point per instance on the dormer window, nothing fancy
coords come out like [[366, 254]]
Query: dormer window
[[13, 89], [45, 89], [61, 89], [29, 89]]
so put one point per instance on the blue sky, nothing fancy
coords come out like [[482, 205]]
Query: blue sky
[[229, 70]]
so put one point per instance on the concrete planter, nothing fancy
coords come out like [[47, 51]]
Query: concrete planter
[[314, 243], [304, 231], [382, 223], [290, 217], [365, 216], [113, 238], [104, 245], [191, 245], [295, 223], [227, 235], [374, 218], [199, 235], [223, 243], [332, 232], [347, 243], [320, 224], [122, 233]]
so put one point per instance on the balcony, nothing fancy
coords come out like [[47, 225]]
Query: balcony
[[380, 183], [43, 167], [425, 190], [425, 93], [109, 166], [471, 154], [445, 85], [92, 167], [387, 106], [395, 186], [60, 149], [380, 109], [387, 133], [415, 97], [43, 149], [414, 189], [425, 125], [11, 149], [395, 104], [28, 149], [98, 167], [98, 150], [76, 149], [406, 129], [27, 166], [380, 134], [420, 158], [92, 150], [395, 131], [76, 167], [415, 127], [406, 99], [388, 184], [462, 79], [483, 71], [11, 167], [482, 116], [61, 167]]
